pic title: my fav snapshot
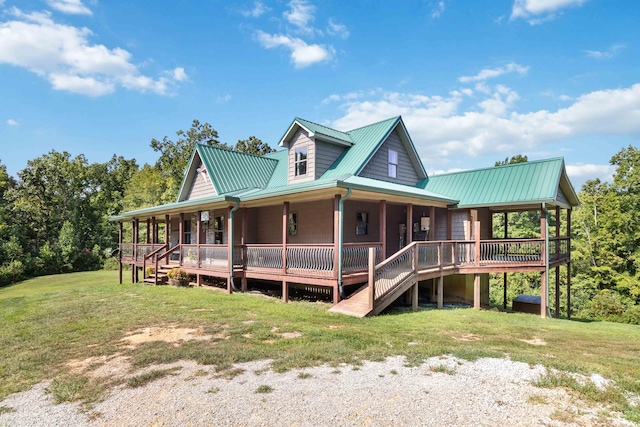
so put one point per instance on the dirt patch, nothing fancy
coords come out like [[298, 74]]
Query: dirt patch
[[248, 322], [114, 365], [467, 337], [535, 341], [170, 333], [291, 334]]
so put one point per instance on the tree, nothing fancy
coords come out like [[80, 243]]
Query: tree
[[175, 155], [518, 158], [253, 145], [146, 188]]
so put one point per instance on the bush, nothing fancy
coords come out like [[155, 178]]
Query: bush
[[110, 264], [631, 315], [178, 274], [11, 273]]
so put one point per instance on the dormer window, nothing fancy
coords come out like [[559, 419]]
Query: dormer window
[[393, 164], [301, 161]]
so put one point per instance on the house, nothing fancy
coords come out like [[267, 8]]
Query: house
[[353, 213]]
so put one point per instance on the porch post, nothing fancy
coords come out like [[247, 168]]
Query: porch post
[[449, 220], [476, 291], [285, 291], [569, 265], [135, 250], [120, 252], [383, 228], [476, 235], [285, 233], [432, 223], [198, 238], [154, 231], [230, 249], [506, 225], [336, 235], [148, 237], [409, 224], [243, 242], [557, 291], [545, 261], [180, 238], [166, 230]]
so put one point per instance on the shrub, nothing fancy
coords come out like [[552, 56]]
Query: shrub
[[11, 272], [110, 264], [178, 274]]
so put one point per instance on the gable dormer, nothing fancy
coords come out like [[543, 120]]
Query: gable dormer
[[312, 149], [197, 182], [395, 159]]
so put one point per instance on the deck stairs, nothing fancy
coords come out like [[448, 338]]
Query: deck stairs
[[161, 274]]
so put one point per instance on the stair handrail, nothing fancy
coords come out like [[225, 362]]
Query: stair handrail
[[164, 255], [373, 269], [149, 256]]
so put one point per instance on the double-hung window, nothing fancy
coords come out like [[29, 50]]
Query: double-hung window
[[301, 161], [393, 164]]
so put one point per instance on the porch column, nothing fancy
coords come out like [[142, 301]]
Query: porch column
[[506, 225], [154, 230], [557, 302], [383, 228], [569, 265], [476, 235], [504, 275], [432, 223], [449, 227], [120, 229], [243, 242], [476, 291], [134, 240], [336, 235], [414, 297], [285, 291], [545, 260], [229, 250], [285, 233], [148, 237], [180, 238], [198, 238], [409, 224], [166, 230]]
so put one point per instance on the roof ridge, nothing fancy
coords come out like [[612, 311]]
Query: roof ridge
[[499, 166], [231, 150], [372, 124], [321, 125]]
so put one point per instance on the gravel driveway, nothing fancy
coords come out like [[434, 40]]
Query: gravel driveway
[[442, 391]]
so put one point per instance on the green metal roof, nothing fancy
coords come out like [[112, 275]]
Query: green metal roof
[[324, 130], [233, 170], [516, 184]]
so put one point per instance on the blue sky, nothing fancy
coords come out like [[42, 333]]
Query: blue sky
[[474, 81]]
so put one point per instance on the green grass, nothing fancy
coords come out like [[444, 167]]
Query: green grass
[[47, 321], [264, 389], [144, 379]]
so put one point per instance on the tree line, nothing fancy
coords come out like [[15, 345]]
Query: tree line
[[54, 219]]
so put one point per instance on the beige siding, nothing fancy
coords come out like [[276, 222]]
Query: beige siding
[[301, 139], [486, 226], [561, 197], [441, 224], [325, 155], [377, 167], [351, 210], [269, 221], [200, 186], [315, 222], [396, 215], [460, 223]]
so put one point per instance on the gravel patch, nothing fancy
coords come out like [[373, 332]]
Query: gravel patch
[[442, 391]]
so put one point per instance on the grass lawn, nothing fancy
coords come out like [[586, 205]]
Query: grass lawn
[[47, 321]]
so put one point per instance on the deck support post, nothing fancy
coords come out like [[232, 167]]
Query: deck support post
[[285, 233], [409, 225], [544, 284], [504, 298], [414, 297], [243, 284], [476, 291], [557, 291], [543, 295], [199, 279], [371, 277], [440, 291], [285, 291], [120, 229], [383, 229], [230, 249]]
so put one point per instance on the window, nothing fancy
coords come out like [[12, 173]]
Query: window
[[393, 164], [293, 223], [362, 223], [187, 232], [218, 230], [301, 161]]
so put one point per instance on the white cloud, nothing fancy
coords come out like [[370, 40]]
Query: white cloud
[[583, 172], [179, 74], [437, 10], [12, 122], [490, 73], [606, 54], [73, 7], [539, 11], [258, 10], [64, 56], [350, 96], [336, 29], [440, 130], [300, 14], [223, 99], [302, 54]]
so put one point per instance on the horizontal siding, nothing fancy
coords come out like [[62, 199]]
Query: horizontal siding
[[351, 210], [269, 224], [325, 155], [460, 225], [377, 167], [201, 187], [560, 197], [315, 222], [441, 224], [301, 139]]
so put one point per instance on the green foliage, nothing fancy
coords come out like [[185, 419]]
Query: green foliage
[[518, 158], [253, 145]]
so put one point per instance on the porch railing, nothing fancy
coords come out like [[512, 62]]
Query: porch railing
[[313, 259], [559, 248], [261, 257], [355, 256], [512, 252]]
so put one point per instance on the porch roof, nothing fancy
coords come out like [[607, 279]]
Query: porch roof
[[542, 181]]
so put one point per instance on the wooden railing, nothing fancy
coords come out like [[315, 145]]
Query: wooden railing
[[152, 257], [355, 256], [261, 257], [310, 259], [512, 252], [559, 248]]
